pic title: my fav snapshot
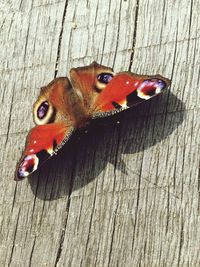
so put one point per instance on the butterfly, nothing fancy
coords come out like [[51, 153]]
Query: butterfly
[[64, 105]]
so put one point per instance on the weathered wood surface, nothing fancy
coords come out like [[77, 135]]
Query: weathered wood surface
[[124, 194]]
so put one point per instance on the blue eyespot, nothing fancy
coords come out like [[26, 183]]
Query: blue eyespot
[[161, 83], [104, 77], [42, 110]]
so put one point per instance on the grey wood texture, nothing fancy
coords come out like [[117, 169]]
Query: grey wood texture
[[124, 194]]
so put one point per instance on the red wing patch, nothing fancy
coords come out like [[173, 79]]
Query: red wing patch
[[42, 142], [126, 90]]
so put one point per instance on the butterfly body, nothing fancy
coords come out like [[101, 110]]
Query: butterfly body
[[68, 104]]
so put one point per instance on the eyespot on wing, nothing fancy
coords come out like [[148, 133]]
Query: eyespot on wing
[[123, 85]]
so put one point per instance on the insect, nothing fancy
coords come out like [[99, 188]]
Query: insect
[[65, 105]]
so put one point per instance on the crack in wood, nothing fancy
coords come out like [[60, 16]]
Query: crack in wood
[[62, 236], [14, 237], [9, 119], [134, 35], [32, 250], [118, 31], [60, 39], [105, 32], [137, 203], [112, 236]]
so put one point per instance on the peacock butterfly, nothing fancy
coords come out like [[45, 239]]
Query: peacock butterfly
[[65, 105]]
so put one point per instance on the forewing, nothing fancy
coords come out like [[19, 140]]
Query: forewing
[[55, 122], [126, 90], [42, 142]]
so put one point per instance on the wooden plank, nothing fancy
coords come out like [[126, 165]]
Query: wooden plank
[[123, 194]]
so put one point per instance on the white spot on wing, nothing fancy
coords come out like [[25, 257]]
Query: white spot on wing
[[158, 90], [123, 104], [142, 95], [35, 165], [136, 84], [50, 150]]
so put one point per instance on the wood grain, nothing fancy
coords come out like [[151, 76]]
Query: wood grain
[[123, 194]]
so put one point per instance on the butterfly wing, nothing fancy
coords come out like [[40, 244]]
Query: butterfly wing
[[125, 90], [104, 93], [87, 82], [42, 142], [55, 122], [95, 92]]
